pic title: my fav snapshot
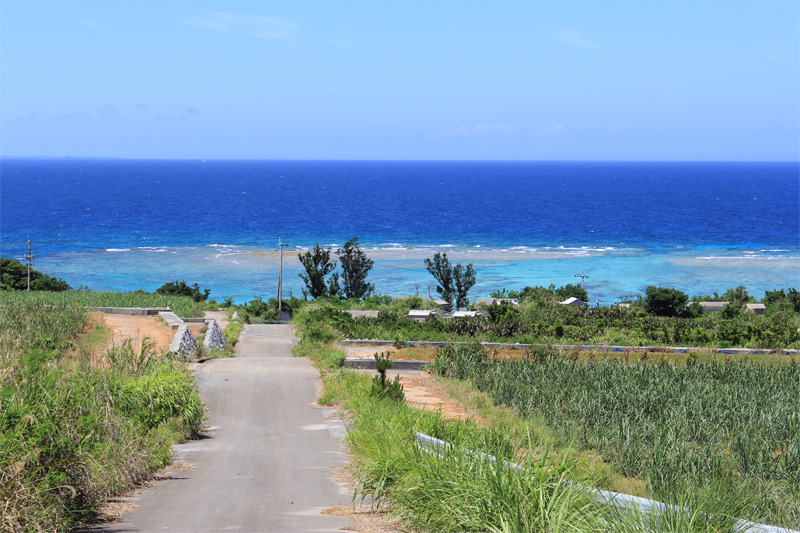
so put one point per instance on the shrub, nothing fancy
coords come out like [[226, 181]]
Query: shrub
[[180, 288], [663, 301], [14, 277], [382, 388]]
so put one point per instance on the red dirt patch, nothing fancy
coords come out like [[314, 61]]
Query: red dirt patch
[[137, 328], [422, 392]]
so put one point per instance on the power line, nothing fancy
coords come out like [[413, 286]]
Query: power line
[[583, 277]]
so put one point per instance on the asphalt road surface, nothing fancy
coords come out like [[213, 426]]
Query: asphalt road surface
[[268, 462]]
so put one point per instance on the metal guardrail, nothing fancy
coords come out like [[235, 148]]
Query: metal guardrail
[[614, 499]]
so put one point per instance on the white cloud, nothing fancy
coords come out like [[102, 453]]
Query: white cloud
[[558, 126], [484, 129], [257, 26], [24, 115], [574, 37]]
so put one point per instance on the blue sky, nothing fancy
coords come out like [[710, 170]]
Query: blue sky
[[569, 80]]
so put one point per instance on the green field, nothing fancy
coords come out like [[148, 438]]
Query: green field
[[183, 306], [733, 428]]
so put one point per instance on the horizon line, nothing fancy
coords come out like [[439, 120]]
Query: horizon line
[[344, 160]]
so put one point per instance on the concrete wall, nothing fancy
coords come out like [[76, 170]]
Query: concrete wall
[[144, 311], [570, 347]]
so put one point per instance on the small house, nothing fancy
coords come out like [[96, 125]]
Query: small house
[[468, 314], [756, 309], [492, 301], [358, 313], [577, 302], [421, 315], [442, 305], [713, 307]]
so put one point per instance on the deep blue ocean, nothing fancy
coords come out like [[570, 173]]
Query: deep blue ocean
[[114, 224]]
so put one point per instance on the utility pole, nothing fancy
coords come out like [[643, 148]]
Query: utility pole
[[582, 276], [29, 258], [280, 277]]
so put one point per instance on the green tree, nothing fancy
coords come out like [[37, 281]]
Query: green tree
[[181, 288], [570, 290], [737, 297], [788, 300], [663, 301], [439, 267], [538, 293], [318, 264], [355, 267], [464, 279], [14, 277], [454, 281]]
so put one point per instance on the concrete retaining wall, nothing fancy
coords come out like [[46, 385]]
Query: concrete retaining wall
[[144, 311], [398, 364], [572, 347], [215, 339]]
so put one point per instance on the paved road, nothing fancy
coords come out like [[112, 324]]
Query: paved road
[[268, 463]]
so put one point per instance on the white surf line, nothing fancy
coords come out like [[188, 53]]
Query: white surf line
[[624, 501]]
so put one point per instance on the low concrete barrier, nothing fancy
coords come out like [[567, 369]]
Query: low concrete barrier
[[144, 311], [172, 320], [571, 347], [214, 339], [369, 363], [184, 343]]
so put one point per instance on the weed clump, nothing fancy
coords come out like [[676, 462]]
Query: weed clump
[[381, 387]]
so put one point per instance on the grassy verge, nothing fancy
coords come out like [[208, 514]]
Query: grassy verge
[[460, 491], [73, 433]]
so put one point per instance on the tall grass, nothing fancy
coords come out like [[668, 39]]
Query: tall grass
[[27, 326], [72, 434], [683, 428], [182, 305], [459, 490]]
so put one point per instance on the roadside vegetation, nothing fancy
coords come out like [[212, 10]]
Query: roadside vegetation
[[456, 490], [75, 429], [540, 319]]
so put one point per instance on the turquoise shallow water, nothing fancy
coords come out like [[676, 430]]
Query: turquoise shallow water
[[130, 224], [244, 272]]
